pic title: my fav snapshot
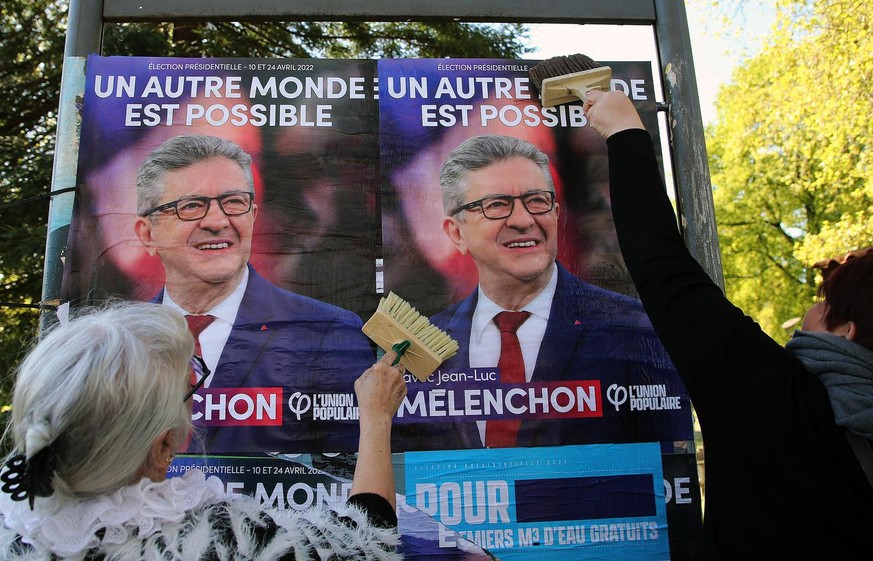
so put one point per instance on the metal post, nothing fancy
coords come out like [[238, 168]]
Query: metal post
[[84, 35], [685, 131]]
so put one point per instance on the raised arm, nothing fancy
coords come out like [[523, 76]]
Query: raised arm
[[697, 325], [380, 390]]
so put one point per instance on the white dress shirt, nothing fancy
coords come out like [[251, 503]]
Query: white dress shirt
[[213, 338], [485, 337]]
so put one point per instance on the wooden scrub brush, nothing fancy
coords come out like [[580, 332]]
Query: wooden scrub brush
[[420, 345], [563, 79]]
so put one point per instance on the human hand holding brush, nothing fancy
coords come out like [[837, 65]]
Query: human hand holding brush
[[380, 391], [611, 112], [408, 340], [381, 388]]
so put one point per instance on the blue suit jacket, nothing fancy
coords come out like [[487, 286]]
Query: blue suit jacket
[[592, 334], [282, 339]]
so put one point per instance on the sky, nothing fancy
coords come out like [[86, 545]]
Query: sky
[[716, 49]]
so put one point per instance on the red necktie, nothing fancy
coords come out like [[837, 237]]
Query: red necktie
[[196, 325], [502, 434]]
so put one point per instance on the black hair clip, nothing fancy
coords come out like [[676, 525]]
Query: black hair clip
[[14, 479], [28, 479]]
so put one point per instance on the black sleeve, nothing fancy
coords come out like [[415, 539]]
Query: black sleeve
[[709, 339], [377, 507]]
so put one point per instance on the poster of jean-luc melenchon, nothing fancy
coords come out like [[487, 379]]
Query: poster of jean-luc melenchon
[[284, 197]]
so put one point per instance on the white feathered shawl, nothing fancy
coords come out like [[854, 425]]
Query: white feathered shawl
[[186, 518]]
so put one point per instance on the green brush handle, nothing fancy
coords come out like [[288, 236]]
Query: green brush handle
[[398, 348]]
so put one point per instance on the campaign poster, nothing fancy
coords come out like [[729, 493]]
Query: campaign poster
[[594, 370], [282, 257], [346, 207], [552, 503]]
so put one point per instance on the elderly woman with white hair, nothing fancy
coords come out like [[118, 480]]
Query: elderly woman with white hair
[[102, 403]]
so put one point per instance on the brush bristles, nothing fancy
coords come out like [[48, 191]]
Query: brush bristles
[[427, 334], [558, 66]]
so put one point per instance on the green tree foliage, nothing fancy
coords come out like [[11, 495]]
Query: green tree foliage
[[31, 52], [790, 157], [342, 40], [32, 35]]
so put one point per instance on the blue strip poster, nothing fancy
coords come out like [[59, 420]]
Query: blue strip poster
[[557, 503]]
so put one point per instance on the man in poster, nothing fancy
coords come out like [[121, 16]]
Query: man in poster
[[499, 200], [271, 350]]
